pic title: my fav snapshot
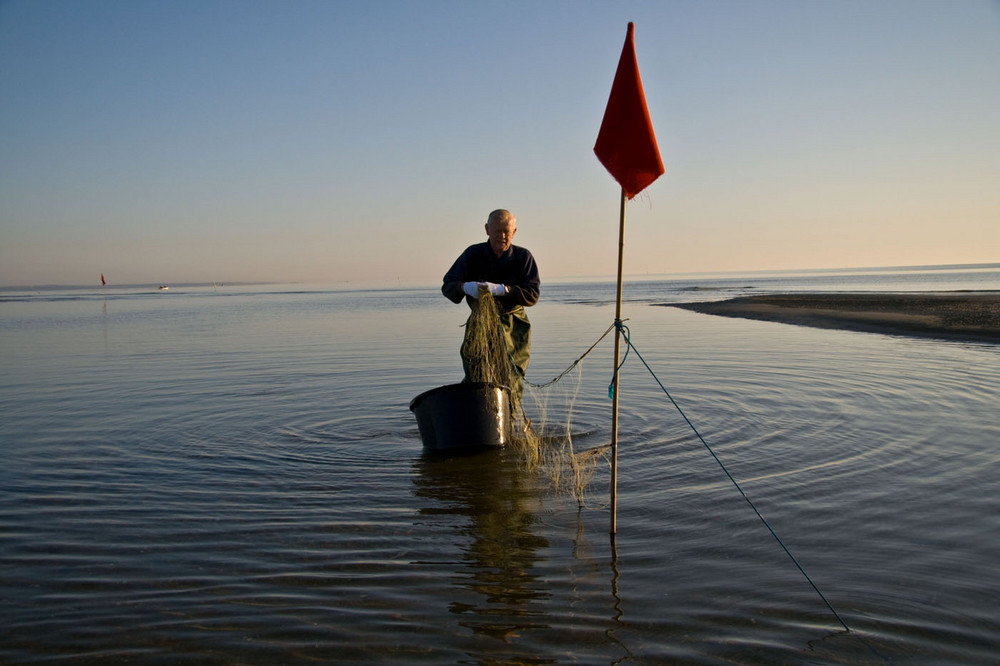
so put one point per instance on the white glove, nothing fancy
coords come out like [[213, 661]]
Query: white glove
[[496, 289], [471, 288]]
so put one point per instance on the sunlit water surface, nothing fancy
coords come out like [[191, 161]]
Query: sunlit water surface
[[232, 475]]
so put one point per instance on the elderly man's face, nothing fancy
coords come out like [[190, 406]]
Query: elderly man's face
[[501, 233]]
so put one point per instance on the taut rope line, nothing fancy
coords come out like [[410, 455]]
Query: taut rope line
[[628, 342], [573, 364], [624, 330]]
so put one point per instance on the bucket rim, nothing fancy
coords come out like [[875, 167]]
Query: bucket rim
[[452, 387]]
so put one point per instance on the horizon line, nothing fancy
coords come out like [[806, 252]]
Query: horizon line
[[632, 276]]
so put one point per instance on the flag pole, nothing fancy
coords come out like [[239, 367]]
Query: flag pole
[[626, 146], [614, 377]]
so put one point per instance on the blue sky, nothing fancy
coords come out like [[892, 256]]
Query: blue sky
[[365, 142]]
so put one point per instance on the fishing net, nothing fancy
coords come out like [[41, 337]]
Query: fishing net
[[543, 442], [484, 349], [549, 440]]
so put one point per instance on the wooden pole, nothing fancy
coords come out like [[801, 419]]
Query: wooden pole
[[614, 377]]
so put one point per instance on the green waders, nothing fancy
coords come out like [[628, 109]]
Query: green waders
[[517, 333]]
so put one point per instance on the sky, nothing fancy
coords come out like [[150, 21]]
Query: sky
[[365, 142]]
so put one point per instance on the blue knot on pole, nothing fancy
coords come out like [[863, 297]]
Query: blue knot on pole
[[623, 329]]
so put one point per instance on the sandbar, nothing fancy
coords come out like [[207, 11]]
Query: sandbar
[[967, 315]]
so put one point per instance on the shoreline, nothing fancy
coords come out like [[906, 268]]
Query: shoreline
[[971, 316]]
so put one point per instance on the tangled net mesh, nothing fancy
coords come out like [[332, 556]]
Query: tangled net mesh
[[542, 443]]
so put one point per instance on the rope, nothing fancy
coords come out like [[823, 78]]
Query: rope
[[573, 364], [628, 342], [620, 325]]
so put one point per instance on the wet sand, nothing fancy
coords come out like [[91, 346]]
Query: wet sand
[[955, 315]]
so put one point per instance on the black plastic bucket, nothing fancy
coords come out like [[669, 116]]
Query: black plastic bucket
[[470, 415]]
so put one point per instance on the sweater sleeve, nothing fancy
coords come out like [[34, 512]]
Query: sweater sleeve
[[526, 288], [451, 287]]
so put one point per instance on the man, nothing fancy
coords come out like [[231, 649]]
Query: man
[[509, 273]]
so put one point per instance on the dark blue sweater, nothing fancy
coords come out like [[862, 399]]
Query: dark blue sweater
[[515, 268]]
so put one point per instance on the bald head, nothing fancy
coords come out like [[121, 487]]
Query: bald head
[[500, 227]]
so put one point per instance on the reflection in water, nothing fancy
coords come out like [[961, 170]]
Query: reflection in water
[[617, 618], [501, 550]]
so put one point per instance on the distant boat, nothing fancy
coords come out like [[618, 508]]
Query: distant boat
[[163, 287]]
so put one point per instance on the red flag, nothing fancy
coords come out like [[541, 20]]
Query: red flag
[[626, 145], [102, 280]]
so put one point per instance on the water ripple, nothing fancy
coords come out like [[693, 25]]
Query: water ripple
[[240, 480]]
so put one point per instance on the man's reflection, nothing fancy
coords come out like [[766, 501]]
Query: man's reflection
[[496, 498]]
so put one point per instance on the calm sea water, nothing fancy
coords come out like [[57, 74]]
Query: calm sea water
[[232, 475]]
